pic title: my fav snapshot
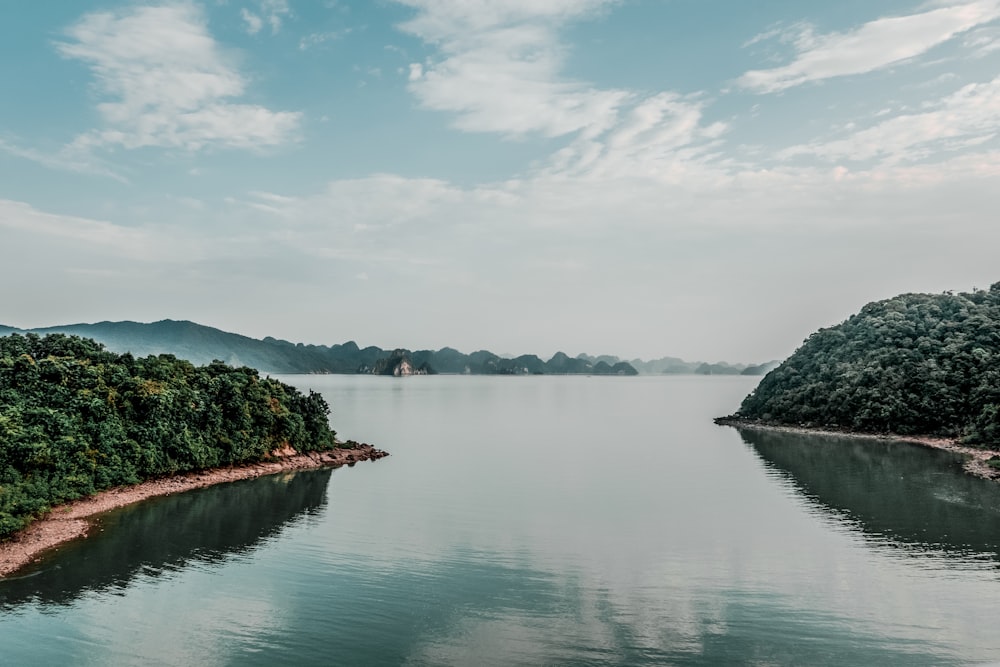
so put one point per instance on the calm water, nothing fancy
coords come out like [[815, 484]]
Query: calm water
[[541, 520]]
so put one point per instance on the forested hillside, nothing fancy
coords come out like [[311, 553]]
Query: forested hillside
[[75, 419], [914, 364]]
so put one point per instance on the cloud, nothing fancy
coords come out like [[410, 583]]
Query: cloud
[[622, 232], [254, 22], [967, 117], [500, 70], [273, 12], [662, 138], [499, 67], [983, 41], [319, 38], [872, 46], [107, 236], [645, 191], [453, 17], [62, 160], [167, 83]]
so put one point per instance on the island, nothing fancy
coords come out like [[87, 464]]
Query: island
[[919, 367], [84, 430]]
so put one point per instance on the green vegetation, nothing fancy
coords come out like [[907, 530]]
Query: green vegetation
[[76, 419], [915, 364]]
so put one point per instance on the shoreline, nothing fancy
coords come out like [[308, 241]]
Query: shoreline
[[975, 458], [72, 520]]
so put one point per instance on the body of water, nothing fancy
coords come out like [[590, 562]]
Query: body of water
[[539, 521]]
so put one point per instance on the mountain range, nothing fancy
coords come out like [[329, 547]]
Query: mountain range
[[202, 344]]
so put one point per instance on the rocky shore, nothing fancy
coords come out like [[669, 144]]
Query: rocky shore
[[976, 458], [71, 520]]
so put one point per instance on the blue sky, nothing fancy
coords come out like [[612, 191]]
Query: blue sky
[[697, 178]]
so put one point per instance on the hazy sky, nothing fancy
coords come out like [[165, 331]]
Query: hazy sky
[[699, 178]]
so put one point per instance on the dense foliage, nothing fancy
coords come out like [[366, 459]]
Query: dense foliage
[[914, 364], [75, 419]]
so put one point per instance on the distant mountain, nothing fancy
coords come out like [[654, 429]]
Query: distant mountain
[[665, 365], [675, 366], [761, 369], [606, 358], [202, 344]]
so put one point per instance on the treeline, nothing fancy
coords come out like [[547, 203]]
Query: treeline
[[76, 419], [914, 364]]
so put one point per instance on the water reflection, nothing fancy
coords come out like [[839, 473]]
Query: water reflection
[[479, 609], [901, 493], [165, 534]]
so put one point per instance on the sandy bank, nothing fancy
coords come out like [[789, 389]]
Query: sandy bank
[[975, 457], [70, 521]]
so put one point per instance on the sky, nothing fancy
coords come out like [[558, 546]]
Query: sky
[[707, 179]]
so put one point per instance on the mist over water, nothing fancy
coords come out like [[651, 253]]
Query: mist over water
[[539, 520]]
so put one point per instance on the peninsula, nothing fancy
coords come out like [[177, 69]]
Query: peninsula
[[923, 368], [83, 430]]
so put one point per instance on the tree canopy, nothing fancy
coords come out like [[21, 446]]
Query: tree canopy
[[76, 419], [914, 364]]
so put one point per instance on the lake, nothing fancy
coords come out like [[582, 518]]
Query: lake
[[539, 521]]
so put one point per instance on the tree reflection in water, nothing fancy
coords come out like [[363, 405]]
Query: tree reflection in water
[[903, 493], [164, 534]]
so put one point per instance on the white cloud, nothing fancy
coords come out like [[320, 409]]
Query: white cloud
[[453, 17], [117, 240], [500, 64], [637, 234], [273, 12], [500, 71], [968, 117], [983, 41], [316, 39], [64, 160], [662, 138], [872, 46], [167, 83], [254, 22]]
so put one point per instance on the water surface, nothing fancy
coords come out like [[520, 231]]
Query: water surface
[[539, 520]]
